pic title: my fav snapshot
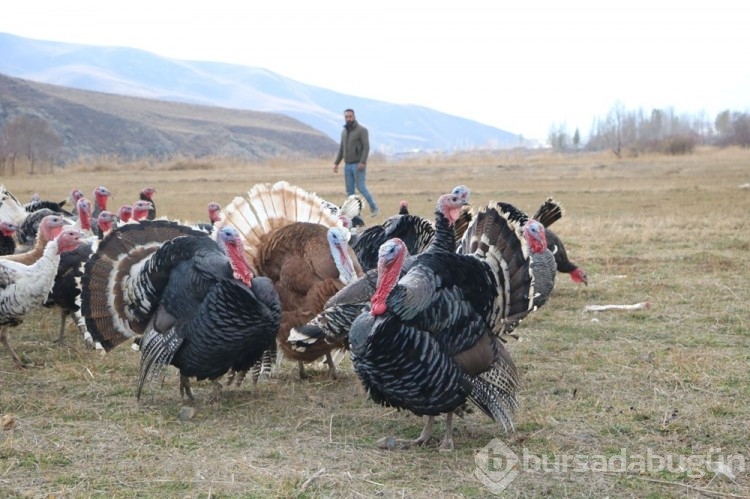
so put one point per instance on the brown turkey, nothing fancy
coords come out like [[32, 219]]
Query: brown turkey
[[295, 240]]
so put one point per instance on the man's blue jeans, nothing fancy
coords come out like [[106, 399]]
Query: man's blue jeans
[[355, 178]]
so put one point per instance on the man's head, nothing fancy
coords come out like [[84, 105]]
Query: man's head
[[349, 116]]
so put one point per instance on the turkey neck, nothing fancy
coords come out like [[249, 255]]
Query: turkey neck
[[388, 274], [445, 236]]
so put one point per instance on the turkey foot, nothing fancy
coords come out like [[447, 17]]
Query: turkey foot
[[185, 388]]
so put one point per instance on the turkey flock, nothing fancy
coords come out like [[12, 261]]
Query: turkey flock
[[424, 308]]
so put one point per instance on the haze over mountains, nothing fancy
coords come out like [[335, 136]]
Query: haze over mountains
[[394, 128]]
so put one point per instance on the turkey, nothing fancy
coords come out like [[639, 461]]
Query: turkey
[[10, 209], [49, 228], [549, 212], [25, 287], [66, 291], [403, 207], [142, 210], [54, 206], [334, 320], [7, 238], [293, 239], [542, 260], [124, 213], [29, 228], [147, 194], [429, 341], [416, 232], [101, 197], [194, 301], [214, 216]]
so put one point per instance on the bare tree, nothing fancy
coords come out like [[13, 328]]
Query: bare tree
[[30, 137], [613, 128]]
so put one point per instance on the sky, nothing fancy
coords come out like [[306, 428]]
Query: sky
[[526, 67]]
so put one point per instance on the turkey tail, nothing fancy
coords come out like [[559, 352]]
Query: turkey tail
[[270, 207], [352, 206], [157, 351], [513, 214], [497, 240], [549, 212], [463, 222], [119, 256], [494, 391]]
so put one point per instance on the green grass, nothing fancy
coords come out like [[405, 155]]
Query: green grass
[[672, 379]]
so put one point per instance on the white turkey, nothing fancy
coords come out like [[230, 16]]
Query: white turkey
[[429, 341], [293, 239], [25, 287], [194, 300]]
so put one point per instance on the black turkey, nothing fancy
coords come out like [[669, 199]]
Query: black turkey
[[429, 341], [549, 212], [7, 238], [193, 300]]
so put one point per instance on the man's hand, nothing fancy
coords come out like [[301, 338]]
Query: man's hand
[[335, 168], [361, 167]]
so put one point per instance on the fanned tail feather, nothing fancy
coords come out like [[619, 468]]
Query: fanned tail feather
[[352, 206], [109, 271], [549, 212], [494, 391], [270, 207], [496, 239]]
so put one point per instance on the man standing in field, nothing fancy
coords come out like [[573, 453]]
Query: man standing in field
[[354, 149]]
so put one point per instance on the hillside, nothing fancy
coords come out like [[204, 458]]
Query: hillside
[[394, 128], [97, 124]]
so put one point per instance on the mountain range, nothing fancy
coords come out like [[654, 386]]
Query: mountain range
[[394, 128]]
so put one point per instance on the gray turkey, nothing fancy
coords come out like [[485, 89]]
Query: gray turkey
[[542, 260], [429, 341], [292, 238], [334, 321], [24, 288], [549, 212], [101, 198], [193, 300], [7, 238]]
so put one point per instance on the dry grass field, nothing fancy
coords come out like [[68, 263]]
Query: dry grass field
[[645, 397]]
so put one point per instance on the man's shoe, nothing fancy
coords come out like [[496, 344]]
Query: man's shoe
[[375, 213]]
